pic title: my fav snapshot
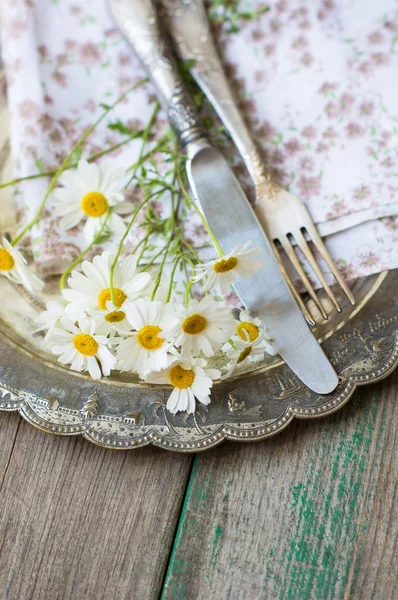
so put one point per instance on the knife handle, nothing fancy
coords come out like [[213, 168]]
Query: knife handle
[[138, 21], [189, 27]]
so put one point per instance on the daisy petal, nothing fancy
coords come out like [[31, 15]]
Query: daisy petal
[[93, 367]]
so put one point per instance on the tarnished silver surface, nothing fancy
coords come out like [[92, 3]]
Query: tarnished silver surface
[[225, 206], [362, 345]]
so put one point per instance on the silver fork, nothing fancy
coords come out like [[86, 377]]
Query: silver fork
[[282, 214]]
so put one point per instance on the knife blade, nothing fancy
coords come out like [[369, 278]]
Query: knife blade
[[266, 293], [224, 204]]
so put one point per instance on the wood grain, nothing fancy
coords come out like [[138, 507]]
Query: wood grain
[[79, 521], [9, 425], [308, 515]]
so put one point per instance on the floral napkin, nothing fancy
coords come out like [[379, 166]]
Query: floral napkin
[[316, 82]]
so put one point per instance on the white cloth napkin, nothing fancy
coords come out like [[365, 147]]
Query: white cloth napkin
[[316, 81]]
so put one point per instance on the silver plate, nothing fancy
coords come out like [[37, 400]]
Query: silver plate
[[121, 413]]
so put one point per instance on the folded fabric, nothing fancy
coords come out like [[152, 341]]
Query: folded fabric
[[316, 82], [321, 80]]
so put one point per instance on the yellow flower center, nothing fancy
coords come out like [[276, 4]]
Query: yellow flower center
[[115, 316], [6, 260], [247, 330], [85, 344], [244, 354], [148, 337], [94, 204], [224, 265], [105, 296], [194, 324], [181, 378]]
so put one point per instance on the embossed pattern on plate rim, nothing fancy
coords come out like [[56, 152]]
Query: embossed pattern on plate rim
[[23, 402]]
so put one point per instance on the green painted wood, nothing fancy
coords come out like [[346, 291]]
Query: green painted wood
[[308, 515]]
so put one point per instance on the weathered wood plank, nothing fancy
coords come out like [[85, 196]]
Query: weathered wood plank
[[308, 515], [79, 521], [9, 424]]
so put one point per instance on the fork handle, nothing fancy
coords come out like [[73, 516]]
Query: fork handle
[[189, 27], [138, 21]]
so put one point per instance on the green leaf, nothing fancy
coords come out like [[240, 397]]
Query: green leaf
[[39, 164], [187, 65], [121, 128], [103, 238], [208, 122], [76, 154]]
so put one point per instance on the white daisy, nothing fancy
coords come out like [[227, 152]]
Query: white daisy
[[50, 318], [241, 353], [249, 344], [190, 380], [79, 346], [86, 194], [149, 345], [224, 270], [14, 266], [111, 320], [91, 290], [250, 329], [203, 326]]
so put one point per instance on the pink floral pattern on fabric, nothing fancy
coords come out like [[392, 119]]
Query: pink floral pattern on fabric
[[316, 82]]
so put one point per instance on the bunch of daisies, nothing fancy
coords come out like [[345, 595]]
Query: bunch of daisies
[[98, 330], [113, 316]]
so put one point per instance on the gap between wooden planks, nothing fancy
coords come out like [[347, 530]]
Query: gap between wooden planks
[[309, 514]]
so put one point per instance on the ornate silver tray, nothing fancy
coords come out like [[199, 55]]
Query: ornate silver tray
[[124, 414]]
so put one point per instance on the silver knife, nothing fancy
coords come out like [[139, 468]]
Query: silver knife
[[223, 202]]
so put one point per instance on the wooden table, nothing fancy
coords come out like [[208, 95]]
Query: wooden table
[[309, 514]]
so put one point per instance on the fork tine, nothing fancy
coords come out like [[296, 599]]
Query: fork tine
[[304, 247], [317, 240], [286, 245], [295, 293]]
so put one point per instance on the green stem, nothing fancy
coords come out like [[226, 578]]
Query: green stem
[[145, 137], [190, 282], [190, 202], [177, 260], [231, 341], [159, 275], [191, 249], [166, 250], [143, 241], [90, 159], [150, 263], [145, 156], [144, 247], [83, 254], [65, 162], [107, 150], [119, 249], [187, 279]]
